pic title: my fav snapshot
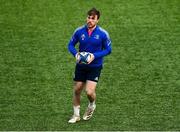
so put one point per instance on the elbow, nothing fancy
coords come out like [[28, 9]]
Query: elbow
[[69, 47], [109, 50]]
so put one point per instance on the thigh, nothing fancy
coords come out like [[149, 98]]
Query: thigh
[[78, 85], [90, 86]]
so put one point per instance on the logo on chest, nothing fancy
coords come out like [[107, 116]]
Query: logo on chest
[[96, 36], [83, 37]]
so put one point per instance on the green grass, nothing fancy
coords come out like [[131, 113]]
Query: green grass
[[139, 87]]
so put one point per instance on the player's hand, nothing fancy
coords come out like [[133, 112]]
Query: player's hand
[[91, 58], [77, 56]]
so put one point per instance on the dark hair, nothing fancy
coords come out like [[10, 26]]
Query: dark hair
[[94, 12]]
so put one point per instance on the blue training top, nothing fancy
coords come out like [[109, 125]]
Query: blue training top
[[98, 43]]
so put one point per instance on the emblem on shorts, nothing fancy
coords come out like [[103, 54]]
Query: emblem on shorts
[[96, 78]]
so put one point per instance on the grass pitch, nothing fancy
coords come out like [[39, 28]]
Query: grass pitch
[[140, 84]]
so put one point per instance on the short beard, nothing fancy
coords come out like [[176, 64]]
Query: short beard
[[91, 27]]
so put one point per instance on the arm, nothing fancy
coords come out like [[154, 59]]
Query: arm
[[106, 47], [72, 43]]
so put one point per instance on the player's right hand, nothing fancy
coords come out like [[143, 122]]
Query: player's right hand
[[77, 56]]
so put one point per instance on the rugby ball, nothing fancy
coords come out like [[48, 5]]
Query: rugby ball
[[84, 57]]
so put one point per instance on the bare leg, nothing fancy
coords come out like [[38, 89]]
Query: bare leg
[[91, 90], [78, 87], [91, 94]]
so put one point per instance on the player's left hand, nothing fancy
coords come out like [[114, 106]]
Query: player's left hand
[[91, 58]]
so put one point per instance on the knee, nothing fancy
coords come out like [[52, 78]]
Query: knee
[[90, 93], [77, 91], [78, 85], [78, 88]]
